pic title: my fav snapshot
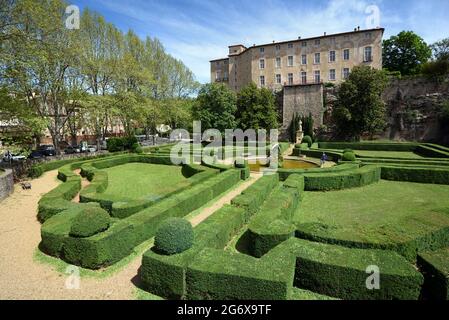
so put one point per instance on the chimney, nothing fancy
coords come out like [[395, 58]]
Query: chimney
[[358, 28], [324, 33], [299, 38], [355, 29]]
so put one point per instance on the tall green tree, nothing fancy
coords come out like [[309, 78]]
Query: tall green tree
[[359, 108], [405, 52], [440, 49], [256, 108], [215, 107]]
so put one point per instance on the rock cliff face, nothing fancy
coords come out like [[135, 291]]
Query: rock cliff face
[[414, 109]]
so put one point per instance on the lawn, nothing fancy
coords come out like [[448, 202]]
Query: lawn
[[388, 154], [135, 180], [383, 213]]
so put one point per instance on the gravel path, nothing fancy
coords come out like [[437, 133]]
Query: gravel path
[[21, 277]]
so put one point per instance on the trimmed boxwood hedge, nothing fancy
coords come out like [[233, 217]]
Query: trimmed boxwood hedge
[[272, 224], [164, 275], [89, 222], [342, 272], [435, 267], [285, 173], [108, 247], [342, 180], [174, 235], [374, 146], [416, 174]]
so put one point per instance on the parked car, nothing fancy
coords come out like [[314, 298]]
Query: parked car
[[35, 154], [72, 150], [47, 150], [13, 157], [91, 148]]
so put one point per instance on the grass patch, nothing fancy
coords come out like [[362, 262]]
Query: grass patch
[[388, 154], [382, 213], [135, 180]]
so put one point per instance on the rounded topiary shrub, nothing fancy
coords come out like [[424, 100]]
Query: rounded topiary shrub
[[174, 235], [349, 156], [89, 222], [240, 163], [308, 140]]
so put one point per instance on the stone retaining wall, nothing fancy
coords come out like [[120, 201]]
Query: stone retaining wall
[[6, 183]]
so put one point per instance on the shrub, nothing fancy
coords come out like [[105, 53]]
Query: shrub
[[89, 222], [174, 235], [348, 150], [308, 140], [115, 144], [349, 156], [36, 171]]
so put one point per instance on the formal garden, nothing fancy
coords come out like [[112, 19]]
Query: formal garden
[[295, 233]]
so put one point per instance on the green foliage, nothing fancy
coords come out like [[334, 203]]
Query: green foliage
[[434, 266], [323, 265], [349, 156], [405, 52], [437, 70], [307, 125], [294, 127], [122, 143], [256, 108], [342, 180], [308, 140], [359, 107], [89, 222], [441, 49], [215, 107], [174, 235], [35, 172]]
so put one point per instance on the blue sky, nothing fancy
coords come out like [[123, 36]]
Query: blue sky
[[197, 31]]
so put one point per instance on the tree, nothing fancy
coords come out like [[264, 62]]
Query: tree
[[441, 49], [405, 52], [256, 108], [307, 125], [359, 107], [215, 107]]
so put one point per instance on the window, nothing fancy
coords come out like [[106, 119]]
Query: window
[[317, 58], [331, 56], [317, 76], [278, 79], [262, 50], [290, 79], [217, 63], [225, 76], [317, 42], [332, 40], [262, 64], [368, 54], [332, 74], [290, 45], [304, 59], [346, 54], [262, 81], [304, 44], [303, 77], [278, 62], [345, 73], [278, 47], [290, 61], [226, 62], [368, 35], [217, 76]]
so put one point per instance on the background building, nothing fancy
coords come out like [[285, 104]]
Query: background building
[[300, 67]]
